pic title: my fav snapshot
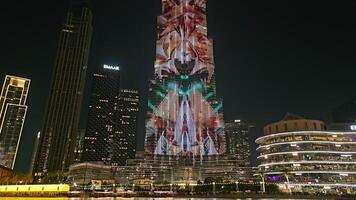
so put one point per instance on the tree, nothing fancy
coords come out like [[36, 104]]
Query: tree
[[261, 172], [272, 188], [16, 178], [286, 174], [54, 178], [27, 178]]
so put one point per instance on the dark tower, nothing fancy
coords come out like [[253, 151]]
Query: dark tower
[[100, 142], [128, 111], [62, 115], [237, 140], [345, 113]]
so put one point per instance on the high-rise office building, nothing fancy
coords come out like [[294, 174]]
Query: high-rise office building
[[79, 145], [101, 131], [185, 117], [59, 131], [127, 112], [12, 117], [35, 151], [345, 113], [237, 140]]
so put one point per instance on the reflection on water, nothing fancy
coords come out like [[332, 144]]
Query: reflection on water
[[134, 198]]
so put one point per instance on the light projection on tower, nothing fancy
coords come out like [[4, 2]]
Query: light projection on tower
[[184, 113]]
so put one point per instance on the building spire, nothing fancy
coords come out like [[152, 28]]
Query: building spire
[[78, 5], [168, 5]]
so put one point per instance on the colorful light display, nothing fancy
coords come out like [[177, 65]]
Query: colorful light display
[[184, 113]]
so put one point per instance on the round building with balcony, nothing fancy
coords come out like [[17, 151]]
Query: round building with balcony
[[300, 155]]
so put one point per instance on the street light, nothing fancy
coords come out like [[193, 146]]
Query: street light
[[263, 184], [214, 189], [237, 186], [192, 188]]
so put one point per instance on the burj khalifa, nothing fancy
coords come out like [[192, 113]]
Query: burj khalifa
[[185, 117]]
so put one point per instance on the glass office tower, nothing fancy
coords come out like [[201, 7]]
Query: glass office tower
[[101, 135], [59, 131], [128, 112], [237, 140], [12, 117]]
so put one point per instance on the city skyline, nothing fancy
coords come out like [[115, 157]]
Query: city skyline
[[301, 97]]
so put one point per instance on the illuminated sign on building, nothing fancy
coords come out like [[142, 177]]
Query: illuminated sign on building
[[117, 68]]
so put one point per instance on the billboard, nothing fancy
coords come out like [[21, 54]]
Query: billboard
[[184, 113]]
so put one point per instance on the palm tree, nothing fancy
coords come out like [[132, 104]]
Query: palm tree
[[27, 178], [261, 172], [4, 180], [13, 179], [53, 177], [286, 174]]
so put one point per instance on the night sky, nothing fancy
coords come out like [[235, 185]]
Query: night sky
[[272, 57]]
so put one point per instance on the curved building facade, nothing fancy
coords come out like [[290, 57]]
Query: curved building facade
[[299, 155]]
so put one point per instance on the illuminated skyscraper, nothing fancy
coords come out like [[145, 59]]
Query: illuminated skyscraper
[[59, 131], [101, 134], [127, 112], [79, 145], [184, 113], [12, 117], [237, 140], [35, 151]]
